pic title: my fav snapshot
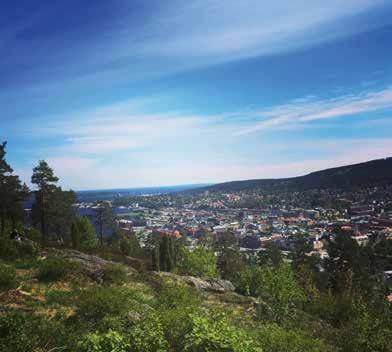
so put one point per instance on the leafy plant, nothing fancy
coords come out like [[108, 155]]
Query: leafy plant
[[199, 262], [114, 274], [97, 303], [217, 333], [148, 335], [8, 279], [56, 268], [112, 341]]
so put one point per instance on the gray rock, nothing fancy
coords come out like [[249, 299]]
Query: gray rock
[[205, 283]]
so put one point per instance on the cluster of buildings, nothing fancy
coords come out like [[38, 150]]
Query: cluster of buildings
[[281, 221]]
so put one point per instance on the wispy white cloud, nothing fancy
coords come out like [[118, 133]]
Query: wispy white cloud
[[116, 127], [126, 126], [304, 111], [182, 35]]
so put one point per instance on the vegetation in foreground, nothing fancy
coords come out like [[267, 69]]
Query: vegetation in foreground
[[51, 303]]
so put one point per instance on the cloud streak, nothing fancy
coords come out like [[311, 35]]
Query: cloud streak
[[300, 112], [183, 35]]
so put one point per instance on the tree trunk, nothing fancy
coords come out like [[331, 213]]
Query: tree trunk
[[2, 228], [13, 222], [43, 225], [100, 227]]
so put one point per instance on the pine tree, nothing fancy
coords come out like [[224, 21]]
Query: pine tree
[[43, 177], [104, 218], [12, 193]]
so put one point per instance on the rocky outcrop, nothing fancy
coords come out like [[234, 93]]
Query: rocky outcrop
[[92, 265], [206, 283], [87, 261]]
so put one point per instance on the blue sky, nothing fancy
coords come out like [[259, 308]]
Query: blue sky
[[146, 93]]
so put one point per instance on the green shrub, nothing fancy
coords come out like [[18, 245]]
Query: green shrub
[[27, 249], [56, 269], [200, 262], [217, 333], [97, 303], [13, 334], [112, 341], [8, 249], [22, 332], [144, 336], [275, 285], [147, 335], [175, 303], [8, 278], [275, 338], [33, 235], [173, 295], [114, 274]]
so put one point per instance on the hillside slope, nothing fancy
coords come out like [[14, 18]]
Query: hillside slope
[[371, 173]]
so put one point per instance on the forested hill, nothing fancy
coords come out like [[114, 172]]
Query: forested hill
[[370, 173]]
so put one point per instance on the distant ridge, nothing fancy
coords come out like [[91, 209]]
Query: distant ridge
[[370, 173]]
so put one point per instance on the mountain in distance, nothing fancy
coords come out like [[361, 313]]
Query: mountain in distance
[[110, 194], [370, 173]]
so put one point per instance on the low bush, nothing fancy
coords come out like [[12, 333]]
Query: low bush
[[147, 335], [199, 262], [27, 249], [8, 279], [8, 249], [173, 295], [22, 332], [98, 303], [175, 303], [114, 274], [272, 337], [111, 341], [13, 334], [217, 333], [56, 269], [144, 336]]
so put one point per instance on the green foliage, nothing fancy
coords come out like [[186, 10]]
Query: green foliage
[[33, 234], [97, 303], [13, 337], [111, 341], [247, 281], [87, 235], [217, 333], [199, 262], [8, 249], [144, 336], [276, 286], [364, 332], [57, 268], [75, 236], [11, 249], [274, 338], [164, 253], [279, 288], [114, 274], [173, 295], [271, 256], [28, 249], [22, 332], [229, 259], [129, 244], [8, 278], [175, 303], [147, 335], [12, 194]]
